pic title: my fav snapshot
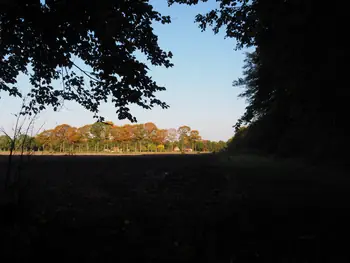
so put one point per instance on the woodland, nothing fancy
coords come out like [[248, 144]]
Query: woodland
[[107, 137], [277, 191]]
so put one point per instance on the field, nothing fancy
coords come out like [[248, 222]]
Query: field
[[176, 208]]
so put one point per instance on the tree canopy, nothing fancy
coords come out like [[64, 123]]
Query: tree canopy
[[106, 136], [293, 79], [41, 39]]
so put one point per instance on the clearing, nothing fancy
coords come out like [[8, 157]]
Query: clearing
[[176, 208]]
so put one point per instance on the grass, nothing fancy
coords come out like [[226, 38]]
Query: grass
[[177, 208]]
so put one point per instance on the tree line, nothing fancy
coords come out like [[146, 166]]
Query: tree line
[[293, 79], [108, 137]]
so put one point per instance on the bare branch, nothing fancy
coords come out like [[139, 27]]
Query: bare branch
[[86, 73]]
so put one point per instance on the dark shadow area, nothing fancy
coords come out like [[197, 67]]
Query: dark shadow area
[[176, 208]]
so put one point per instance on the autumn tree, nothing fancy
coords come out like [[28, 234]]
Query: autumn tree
[[98, 136], [60, 136], [45, 138], [73, 136], [85, 132], [194, 138], [160, 137], [43, 39], [151, 130], [116, 132], [126, 136], [140, 134], [183, 132]]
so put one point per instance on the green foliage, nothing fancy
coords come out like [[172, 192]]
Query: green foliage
[[5, 142], [152, 147], [140, 132], [23, 141], [100, 131], [43, 38], [26, 142], [200, 146]]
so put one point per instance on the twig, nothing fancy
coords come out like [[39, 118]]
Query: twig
[[86, 73]]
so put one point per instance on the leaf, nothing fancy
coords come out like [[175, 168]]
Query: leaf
[[74, 28]]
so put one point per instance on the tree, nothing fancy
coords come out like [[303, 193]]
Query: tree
[[45, 138], [92, 137], [151, 130], [160, 148], [116, 133], [205, 145], [160, 136], [152, 147], [73, 136], [85, 135], [59, 136], [140, 135], [183, 132], [126, 136], [287, 78], [219, 146], [239, 17], [200, 146], [150, 127], [171, 137], [194, 138], [85, 132], [26, 143], [41, 39], [151, 134], [5, 142], [98, 131]]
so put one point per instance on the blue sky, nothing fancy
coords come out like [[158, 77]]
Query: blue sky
[[199, 86]]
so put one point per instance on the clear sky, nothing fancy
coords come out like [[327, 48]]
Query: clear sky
[[199, 86]]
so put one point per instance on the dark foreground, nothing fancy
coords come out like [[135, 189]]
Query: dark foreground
[[190, 208]]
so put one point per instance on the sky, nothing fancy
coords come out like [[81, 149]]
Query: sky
[[199, 86]]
